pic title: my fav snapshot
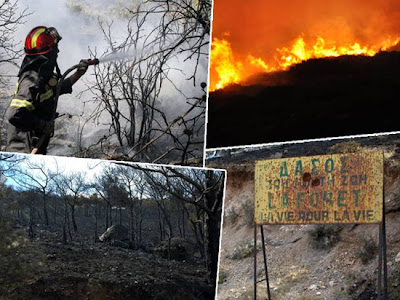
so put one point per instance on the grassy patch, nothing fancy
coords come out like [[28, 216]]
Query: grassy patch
[[245, 249], [231, 216]]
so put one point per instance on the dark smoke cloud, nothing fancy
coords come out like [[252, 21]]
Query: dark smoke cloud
[[261, 26]]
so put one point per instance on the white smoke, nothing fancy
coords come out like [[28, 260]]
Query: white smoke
[[78, 24]]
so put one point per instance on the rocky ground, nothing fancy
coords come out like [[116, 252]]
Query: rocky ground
[[88, 270], [341, 265]]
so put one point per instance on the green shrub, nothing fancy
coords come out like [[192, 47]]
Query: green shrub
[[245, 248], [368, 250], [231, 215], [248, 212], [325, 236]]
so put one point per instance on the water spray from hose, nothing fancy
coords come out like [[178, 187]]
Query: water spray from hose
[[116, 56], [124, 55]]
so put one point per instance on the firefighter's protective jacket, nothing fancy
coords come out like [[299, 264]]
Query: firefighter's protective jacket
[[33, 101]]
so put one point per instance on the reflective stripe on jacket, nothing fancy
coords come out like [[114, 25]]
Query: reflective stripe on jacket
[[31, 104]]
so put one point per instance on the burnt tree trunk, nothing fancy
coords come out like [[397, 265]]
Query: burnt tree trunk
[[110, 212], [73, 218], [183, 223], [131, 229], [46, 216], [55, 212], [139, 218], [107, 220], [96, 235], [31, 232], [160, 224], [64, 224], [132, 125]]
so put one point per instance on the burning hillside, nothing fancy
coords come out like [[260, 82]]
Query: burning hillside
[[319, 98], [272, 36], [230, 71]]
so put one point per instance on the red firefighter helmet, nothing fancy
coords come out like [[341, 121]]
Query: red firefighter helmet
[[41, 40]]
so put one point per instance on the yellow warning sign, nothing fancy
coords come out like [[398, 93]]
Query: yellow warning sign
[[326, 189]]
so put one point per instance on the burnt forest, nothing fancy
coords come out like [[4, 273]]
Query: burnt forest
[[82, 229], [327, 97]]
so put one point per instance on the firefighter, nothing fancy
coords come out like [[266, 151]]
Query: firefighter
[[31, 110]]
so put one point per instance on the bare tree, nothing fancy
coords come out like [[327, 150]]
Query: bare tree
[[9, 163], [71, 186], [184, 25], [95, 201], [133, 183], [10, 18], [130, 91], [36, 177], [127, 91], [201, 188], [110, 189], [161, 198], [31, 199]]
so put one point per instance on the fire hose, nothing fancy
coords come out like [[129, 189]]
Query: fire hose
[[82, 63]]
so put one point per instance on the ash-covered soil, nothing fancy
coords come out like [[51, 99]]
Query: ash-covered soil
[[87, 270], [342, 265]]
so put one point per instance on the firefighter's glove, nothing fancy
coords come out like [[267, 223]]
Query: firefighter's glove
[[83, 66]]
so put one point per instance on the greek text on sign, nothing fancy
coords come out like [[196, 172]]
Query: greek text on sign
[[326, 189]]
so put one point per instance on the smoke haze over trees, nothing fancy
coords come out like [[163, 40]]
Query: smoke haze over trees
[[146, 101]]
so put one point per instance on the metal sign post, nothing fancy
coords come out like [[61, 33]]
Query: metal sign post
[[265, 262], [382, 257], [324, 189], [384, 248], [255, 261], [380, 262]]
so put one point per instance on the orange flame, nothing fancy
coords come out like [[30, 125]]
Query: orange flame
[[230, 71], [223, 62]]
